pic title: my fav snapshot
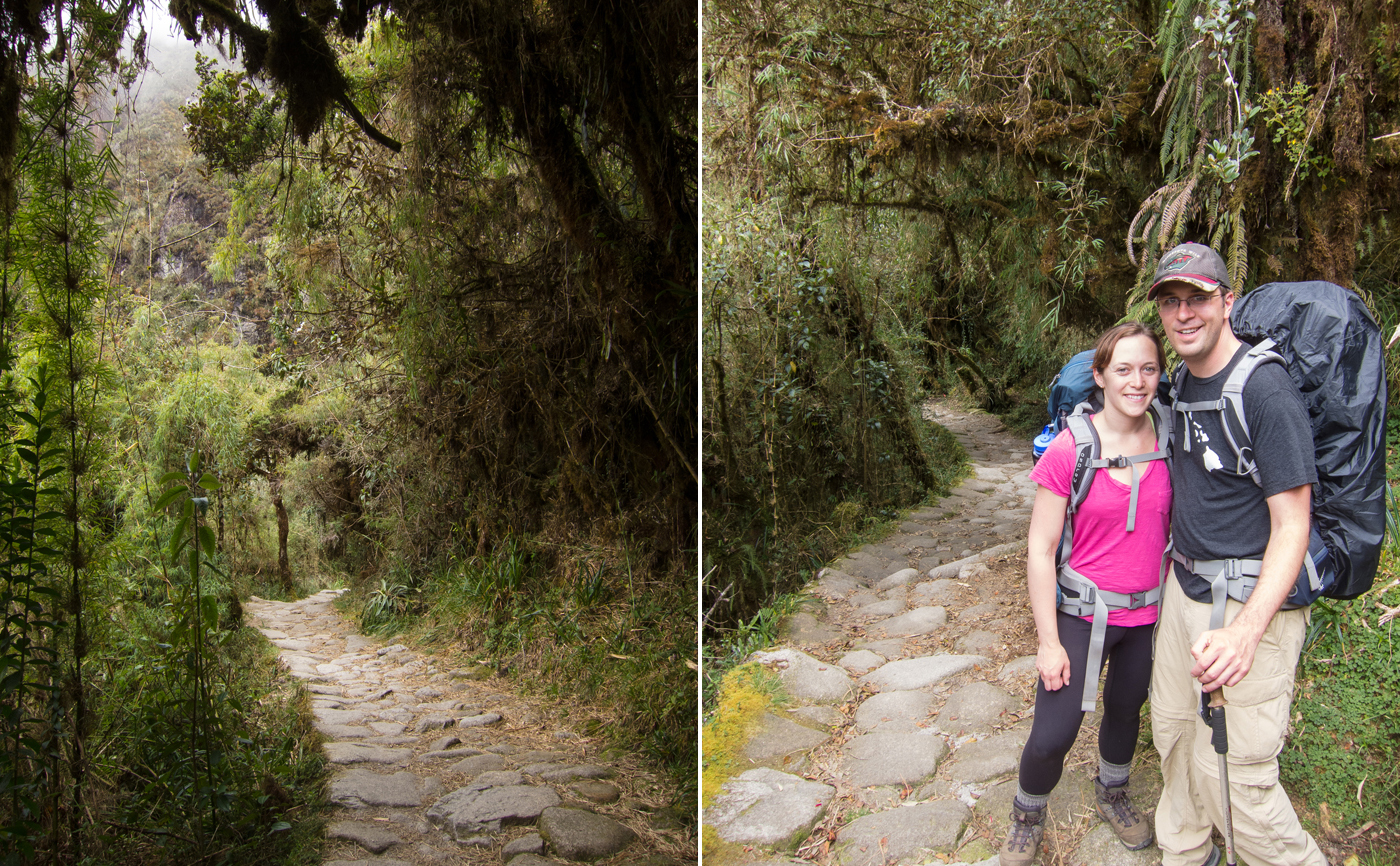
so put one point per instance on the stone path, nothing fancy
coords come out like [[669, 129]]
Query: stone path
[[435, 766], [912, 678]]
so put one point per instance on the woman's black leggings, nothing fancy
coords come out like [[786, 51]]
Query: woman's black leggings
[[1128, 653]]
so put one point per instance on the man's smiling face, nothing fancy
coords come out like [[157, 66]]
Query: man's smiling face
[[1193, 318]]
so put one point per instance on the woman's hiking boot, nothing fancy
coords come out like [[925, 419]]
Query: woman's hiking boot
[[1023, 839], [1119, 813]]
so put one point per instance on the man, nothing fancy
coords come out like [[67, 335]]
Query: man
[[1221, 515]]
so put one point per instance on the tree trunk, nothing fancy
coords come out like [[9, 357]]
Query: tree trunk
[[284, 569]]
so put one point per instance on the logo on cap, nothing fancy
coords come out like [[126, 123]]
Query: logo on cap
[[1176, 264]]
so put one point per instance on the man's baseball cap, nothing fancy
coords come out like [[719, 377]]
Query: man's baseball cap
[[1196, 264]]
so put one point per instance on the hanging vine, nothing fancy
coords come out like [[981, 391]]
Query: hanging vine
[[1207, 138]]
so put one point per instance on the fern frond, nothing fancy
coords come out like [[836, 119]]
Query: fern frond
[[1239, 251], [1222, 225], [1164, 93], [1147, 210], [1201, 77], [1171, 216]]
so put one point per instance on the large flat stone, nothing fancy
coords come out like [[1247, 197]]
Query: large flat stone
[[921, 620], [894, 711], [576, 834], [808, 679], [918, 673], [374, 838], [471, 810], [343, 732], [359, 788], [780, 742], [935, 592], [892, 758], [803, 628], [885, 608], [975, 709], [364, 753], [986, 759], [899, 578], [477, 764], [767, 807], [980, 642], [861, 661], [903, 835], [834, 584], [339, 717]]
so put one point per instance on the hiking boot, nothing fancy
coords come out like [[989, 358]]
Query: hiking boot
[[1214, 858], [1023, 839], [1118, 812]]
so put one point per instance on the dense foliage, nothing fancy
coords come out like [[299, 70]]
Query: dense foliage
[[420, 318]]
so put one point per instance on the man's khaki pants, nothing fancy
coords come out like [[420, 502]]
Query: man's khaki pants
[[1267, 832]]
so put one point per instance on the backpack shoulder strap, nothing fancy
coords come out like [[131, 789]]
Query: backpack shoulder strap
[[1086, 455], [1231, 397], [1233, 394], [1086, 463]]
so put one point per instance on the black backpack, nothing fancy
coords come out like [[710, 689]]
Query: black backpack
[[1332, 348]]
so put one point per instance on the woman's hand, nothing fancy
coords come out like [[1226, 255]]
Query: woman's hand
[[1052, 662]]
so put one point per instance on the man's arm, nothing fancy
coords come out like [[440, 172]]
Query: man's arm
[[1224, 656]]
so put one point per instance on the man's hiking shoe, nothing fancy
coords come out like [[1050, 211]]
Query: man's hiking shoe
[[1023, 839], [1214, 858], [1118, 812]]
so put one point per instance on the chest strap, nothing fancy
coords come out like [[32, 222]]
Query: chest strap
[[1235, 578], [1097, 602], [1121, 462]]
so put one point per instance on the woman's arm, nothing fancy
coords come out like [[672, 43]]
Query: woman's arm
[[1047, 522]]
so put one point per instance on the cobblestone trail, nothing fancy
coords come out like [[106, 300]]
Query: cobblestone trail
[[439, 767], [912, 695]]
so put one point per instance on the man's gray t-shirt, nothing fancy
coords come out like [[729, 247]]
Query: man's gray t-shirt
[[1216, 512]]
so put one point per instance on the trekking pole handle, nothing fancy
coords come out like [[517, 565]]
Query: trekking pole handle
[[1213, 712]]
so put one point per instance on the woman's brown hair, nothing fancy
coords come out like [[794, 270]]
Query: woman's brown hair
[[1103, 349]]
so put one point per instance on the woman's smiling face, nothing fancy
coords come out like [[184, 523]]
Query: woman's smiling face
[[1129, 382]]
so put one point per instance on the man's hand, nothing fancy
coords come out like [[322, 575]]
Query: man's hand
[[1223, 657]]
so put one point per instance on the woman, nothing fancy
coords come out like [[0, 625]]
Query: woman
[[1120, 554]]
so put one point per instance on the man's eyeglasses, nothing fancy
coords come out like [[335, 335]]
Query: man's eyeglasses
[[1194, 302]]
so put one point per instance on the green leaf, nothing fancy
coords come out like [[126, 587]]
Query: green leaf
[[209, 482], [188, 508], [206, 540], [166, 498], [279, 827], [169, 477], [194, 463], [178, 536]]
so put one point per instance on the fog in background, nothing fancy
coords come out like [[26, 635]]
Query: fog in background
[[170, 78]]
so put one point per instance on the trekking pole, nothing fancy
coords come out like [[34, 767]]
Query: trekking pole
[[1213, 712]]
